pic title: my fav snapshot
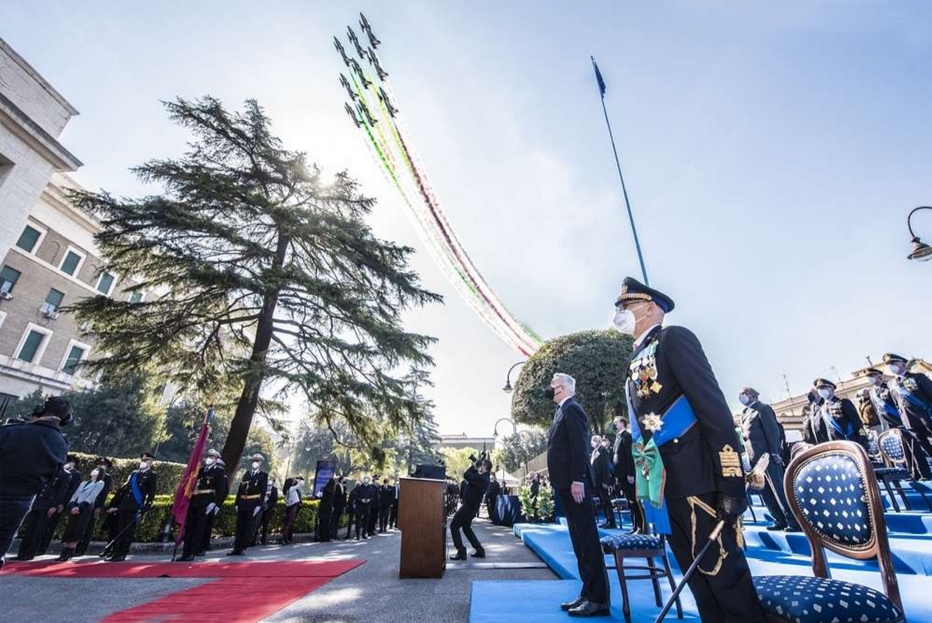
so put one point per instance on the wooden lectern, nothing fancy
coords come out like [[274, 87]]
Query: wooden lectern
[[422, 520]]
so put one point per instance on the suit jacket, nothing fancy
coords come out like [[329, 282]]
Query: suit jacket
[[339, 498], [252, 490], [600, 468], [146, 481], [624, 460], [846, 418], [670, 363], [761, 431], [568, 445]]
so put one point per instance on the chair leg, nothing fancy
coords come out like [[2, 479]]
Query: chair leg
[[889, 490], [751, 508], [620, 568], [666, 567], [655, 581], [925, 500], [899, 489]]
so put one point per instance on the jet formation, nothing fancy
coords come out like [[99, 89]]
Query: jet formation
[[360, 113]]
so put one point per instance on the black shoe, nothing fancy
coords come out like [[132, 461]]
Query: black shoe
[[201, 553], [604, 524], [775, 527], [590, 609], [187, 558], [569, 605], [793, 529], [459, 556], [479, 553], [235, 552], [24, 558], [118, 558]]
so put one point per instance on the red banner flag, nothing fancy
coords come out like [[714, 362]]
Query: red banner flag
[[189, 478]]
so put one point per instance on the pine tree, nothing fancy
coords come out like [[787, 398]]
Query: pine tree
[[265, 273]]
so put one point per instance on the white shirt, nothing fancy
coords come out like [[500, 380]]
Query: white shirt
[[640, 340], [293, 497]]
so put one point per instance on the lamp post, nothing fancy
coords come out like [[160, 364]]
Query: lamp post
[[507, 388], [921, 251], [514, 427]]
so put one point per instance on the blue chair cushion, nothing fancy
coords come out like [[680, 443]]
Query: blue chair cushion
[[804, 599], [831, 493], [619, 542]]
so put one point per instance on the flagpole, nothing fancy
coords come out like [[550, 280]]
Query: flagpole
[[624, 190]]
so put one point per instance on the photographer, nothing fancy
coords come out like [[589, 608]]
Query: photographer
[[477, 483], [30, 455]]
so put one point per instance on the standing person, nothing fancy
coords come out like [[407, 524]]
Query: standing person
[[209, 492], [203, 544], [268, 508], [104, 465], [568, 468], [477, 483], [624, 472], [677, 406], [325, 510], [292, 506], [135, 498], [374, 507], [385, 504], [361, 499], [491, 498], [815, 431], [248, 504], [839, 415], [74, 481], [80, 512], [600, 472], [350, 511], [761, 434], [912, 393], [45, 506], [396, 496], [339, 505]]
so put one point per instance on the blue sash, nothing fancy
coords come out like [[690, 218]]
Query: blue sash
[[134, 485], [892, 411], [916, 402]]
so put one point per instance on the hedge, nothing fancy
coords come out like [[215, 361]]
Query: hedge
[[150, 527], [169, 474]]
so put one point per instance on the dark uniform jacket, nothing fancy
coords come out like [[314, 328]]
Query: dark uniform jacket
[[761, 431], [386, 493], [362, 495], [476, 486], [251, 491], [885, 405], [211, 486], [846, 418], [30, 455], [668, 364], [108, 486], [624, 460], [339, 498], [600, 468], [74, 481], [55, 492], [918, 410], [147, 481], [272, 497], [568, 445]]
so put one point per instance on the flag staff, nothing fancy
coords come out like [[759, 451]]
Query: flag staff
[[624, 190]]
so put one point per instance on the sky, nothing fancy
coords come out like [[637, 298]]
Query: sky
[[771, 154]]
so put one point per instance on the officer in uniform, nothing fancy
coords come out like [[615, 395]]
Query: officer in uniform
[[209, 491], [135, 498], [913, 395], [361, 502], [249, 498], [761, 433], [677, 407], [815, 432], [600, 473], [624, 472], [43, 508], [104, 465], [838, 417], [74, 477]]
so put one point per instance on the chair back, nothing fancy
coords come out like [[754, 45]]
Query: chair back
[[873, 447], [833, 493], [892, 448]]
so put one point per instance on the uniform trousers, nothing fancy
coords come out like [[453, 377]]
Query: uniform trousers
[[12, 513], [918, 450], [33, 530], [774, 496], [462, 520], [88, 534], [246, 519], [126, 531], [362, 520], [637, 513], [195, 524], [580, 521], [384, 512], [728, 595]]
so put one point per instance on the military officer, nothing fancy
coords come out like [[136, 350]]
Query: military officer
[[134, 498], [208, 494], [839, 418], [677, 407], [249, 498], [912, 393]]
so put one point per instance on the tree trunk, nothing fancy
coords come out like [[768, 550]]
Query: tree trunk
[[249, 399]]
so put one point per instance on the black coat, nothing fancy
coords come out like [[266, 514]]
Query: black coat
[[883, 399], [476, 486], [55, 492], [623, 459], [600, 468], [568, 446], [251, 490], [213, 477], [847, 418], [362, 496], [919, 386], [386, 494], [339, 498], [147, 481], [30, 455], [108, 486], [761, 431], [675, 365], [272, 497]]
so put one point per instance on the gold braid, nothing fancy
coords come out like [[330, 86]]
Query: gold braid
[[722, 554]]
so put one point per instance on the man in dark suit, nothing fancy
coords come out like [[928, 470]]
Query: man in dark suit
[[840, 419], [385, 504], [477, 484], [600, 471], [568, 467], [679, 412], [624, 472], [249, 498], [135, 498], [396, 496], [762, 437]]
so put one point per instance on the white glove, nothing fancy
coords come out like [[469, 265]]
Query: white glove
[[216, 510], [211, 508], [257, 511]]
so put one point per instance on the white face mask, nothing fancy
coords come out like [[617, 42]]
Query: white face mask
[[898, 369], [255, 464], [625, 321], [594, 444], [874, 380], [825, 392], [143, 465], [210, 461], [69, 467], [94, 474], [743, 399]]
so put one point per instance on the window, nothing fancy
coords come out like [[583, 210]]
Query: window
[[135, 297], [29, 239], [75, 355], [71, 263], [31, 345], [8, 278], [54, 298], [105, 283]]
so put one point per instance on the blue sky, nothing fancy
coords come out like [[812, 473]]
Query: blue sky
[[771, 156]]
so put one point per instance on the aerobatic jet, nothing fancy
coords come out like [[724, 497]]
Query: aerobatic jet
[[388, 103], [349, 89], [339, 47], [374, 61], [364, 112], [354, 64], [352, 114], [361, 53], [367, 28]]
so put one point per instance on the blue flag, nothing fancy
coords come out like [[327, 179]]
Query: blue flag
[[598, 77]]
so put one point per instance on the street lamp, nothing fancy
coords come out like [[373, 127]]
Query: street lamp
[[515, 431], [921, 251], [507, 388]]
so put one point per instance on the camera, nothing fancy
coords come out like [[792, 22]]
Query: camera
[[483, 456]]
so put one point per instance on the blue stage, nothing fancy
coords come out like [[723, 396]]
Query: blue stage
[[769, 553]]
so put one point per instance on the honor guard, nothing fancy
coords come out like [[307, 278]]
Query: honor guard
[[249, 498], [135, 498], [912, 393], [838, 418], [688, 472], [207, 497]]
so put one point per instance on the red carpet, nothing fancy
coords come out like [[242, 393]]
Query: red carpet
[[244, 591]]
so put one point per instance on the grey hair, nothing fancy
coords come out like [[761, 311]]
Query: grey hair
[[566, 381], [599, 437]]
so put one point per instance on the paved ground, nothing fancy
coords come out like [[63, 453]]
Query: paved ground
[[372, 593]]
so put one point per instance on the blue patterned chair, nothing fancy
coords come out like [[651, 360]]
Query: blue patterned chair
[[647, 546], [892, 449], [832, 492]]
